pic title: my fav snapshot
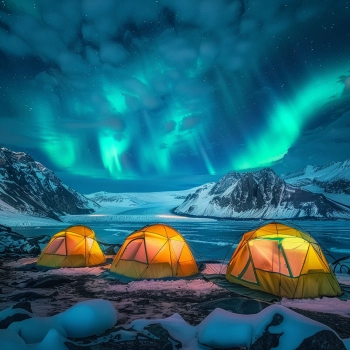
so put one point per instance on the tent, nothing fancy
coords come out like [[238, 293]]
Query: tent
[[154, 251], [283, 261], [75, 246]]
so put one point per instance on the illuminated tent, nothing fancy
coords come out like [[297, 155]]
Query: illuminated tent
[[75, 246], [283, 261], [154, 252]]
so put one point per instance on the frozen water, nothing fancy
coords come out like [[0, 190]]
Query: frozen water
[[215, 239]]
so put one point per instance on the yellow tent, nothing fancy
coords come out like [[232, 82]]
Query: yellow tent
[[154, 252], [283, 261], [75, 246]]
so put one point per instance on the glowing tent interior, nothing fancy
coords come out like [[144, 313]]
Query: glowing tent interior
[[75, 246], [283, 261], [154, 251]]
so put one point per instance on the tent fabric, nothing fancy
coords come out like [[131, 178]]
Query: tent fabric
[[76, 246], [283, 261], [155, 251]]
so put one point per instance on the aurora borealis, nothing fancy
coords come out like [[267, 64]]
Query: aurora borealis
[[150, 95]]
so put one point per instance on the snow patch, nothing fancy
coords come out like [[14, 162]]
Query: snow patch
[[87, 318]]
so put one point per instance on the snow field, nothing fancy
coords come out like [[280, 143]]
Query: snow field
[[221, 329]]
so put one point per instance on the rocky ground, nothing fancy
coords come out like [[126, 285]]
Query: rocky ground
[[50, 292]]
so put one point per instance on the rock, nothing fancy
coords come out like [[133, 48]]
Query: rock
[[236, 305], [27, 267], [49, 282], [323, 340], [13, 242], [21, 314], [157, 330], [153, 336], [29, 187], [13, 318], [268, 340], [25, 296], [111, 249], [25, 305]]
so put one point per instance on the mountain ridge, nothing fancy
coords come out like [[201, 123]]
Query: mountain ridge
[[27, 186], [333, 177], [258, 195]]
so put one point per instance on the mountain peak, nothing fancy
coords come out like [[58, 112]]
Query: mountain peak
[[333, 177], [29, 187], [258, 195]]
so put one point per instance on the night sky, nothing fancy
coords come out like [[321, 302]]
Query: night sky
[[145, 95]]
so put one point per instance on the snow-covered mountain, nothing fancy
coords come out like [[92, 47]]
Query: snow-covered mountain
[[136, 199], [28, 187], [332, 178], [261, 194], [140, 203]]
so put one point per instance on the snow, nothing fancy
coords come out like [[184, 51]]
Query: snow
[[343, 278], [93, 317], [139, 216], [15, 219], [198, 286], [219, 329], [337, 197], [223, 329], [10, 340], [10, 312], [174, 324], [33, 330], [324, 304], [329, 172], [87, 318], [53, 341], [134, 199], [294, 328], [203, 204]]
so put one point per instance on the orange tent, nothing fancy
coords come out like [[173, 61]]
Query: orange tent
[[154, 251], [75, 246], [283, 261]]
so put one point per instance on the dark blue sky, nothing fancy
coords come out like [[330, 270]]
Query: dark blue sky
[[144, 95]]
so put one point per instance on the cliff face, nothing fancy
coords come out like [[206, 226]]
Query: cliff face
[[26, 186], [261, 194]]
